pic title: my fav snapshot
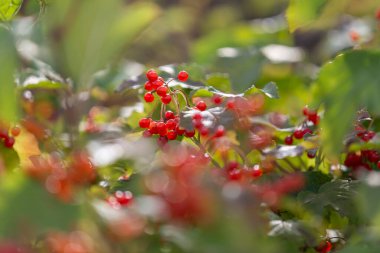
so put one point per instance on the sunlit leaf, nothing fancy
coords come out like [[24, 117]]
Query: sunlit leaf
[[9, 8]]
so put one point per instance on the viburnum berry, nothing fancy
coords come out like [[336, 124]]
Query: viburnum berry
[[15, 131], [306, 131], [288, 140], [377, 15], [378, 164], [172, 135], [166, 99], [197, 123], [144, 122], [162, 141], [180, 130], [204, 131], [152, 75], [354, 36], [9, 142], [169, 115], [305, 111], [201, 105], [148, 86], [298, 134], [324, 247], [190, 133], [197, 116], [311, 154], [158, 83], [147, 134], [235, 174], [232, 165], [183, 76], [352, 160], [161, 128], [162, 90], [216, 99], [219, 131], [123, 198], [171, 124], [230, 104], [148, 97], [153, 127], [257, 171]]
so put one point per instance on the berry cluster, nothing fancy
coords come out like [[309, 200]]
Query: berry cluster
[[235, 172], [364, 134], [8, 139], [366, 159]]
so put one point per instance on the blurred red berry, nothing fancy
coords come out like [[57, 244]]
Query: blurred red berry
[[298, 134], [148, 97], [183, 76], [172, 135], [169, 115], [201, 105], [166, 99], [216, 99], [162, 90], [9, 142], [152, 75], [288, 140], [189, 134], [15, 131], [144, 122], [148, 86]]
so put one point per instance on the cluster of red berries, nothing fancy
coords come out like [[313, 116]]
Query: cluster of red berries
[[324, 247], [235, 172], [311, 116], [157, 84], [8, 139], [364, 159], [364, 134], [120, 199]]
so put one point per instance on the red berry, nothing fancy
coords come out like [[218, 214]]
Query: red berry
[[311, 154], [352, 160], [180, 130], [162, 141], [257, 172], [219, 131], [148, 86], [216, 99], [166, 99], [197, 116], [378, 14], [161, 128], [3, 134], [204, 131], [172, 135], [162, 90], [9, 142], [314, 118], [169, 115], [201, 105], [354, 36], [158, 83], [183, 76], [147, 134], [153, 127], [197, 123], [189, 134], [171, 124], [378, 164], [15, 131], [123, 198], [230, 105], [232, 165], [324, 247], [235, 175], [152, 75], [144, 122], [148, 97], [307, 131], [288, 140], [305, 111], [298, 134]]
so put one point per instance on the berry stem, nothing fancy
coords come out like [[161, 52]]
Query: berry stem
[[184, 97], [203, 149]]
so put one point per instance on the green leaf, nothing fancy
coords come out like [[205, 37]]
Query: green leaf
[[9, 8], [219, 81], [95, 34], [303, 12], [347, 84], [9, 157], [8, 98], [271, 90], [25, 203]]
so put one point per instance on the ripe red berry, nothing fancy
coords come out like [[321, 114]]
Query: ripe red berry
[[378, 14], [183, 76], [257, 172], [230, 105], [180, 130], [158, 83], [201, 105], [204, 131], [9, 142], [197, 116], [219, 131], [144, 122], [153, 127], [166, 99], [216, 99], [288, 140], [354, 36], [123, 198], [313, 118], [162, 90], [148, 97], [298, 134], [235, 175], [311, 154], [169, 115], [147, 134], [197, 123], [378, 164], [171, 124], [305, 111], [232, 165], [161, 128], [15, 131], [172, 135], [324, 247], [152, 75], [148, 86], [307, 131], [189, 134]]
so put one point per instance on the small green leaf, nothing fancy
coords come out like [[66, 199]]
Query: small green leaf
[[271, 90], [303, 12], [9, 8], [219, 81]]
